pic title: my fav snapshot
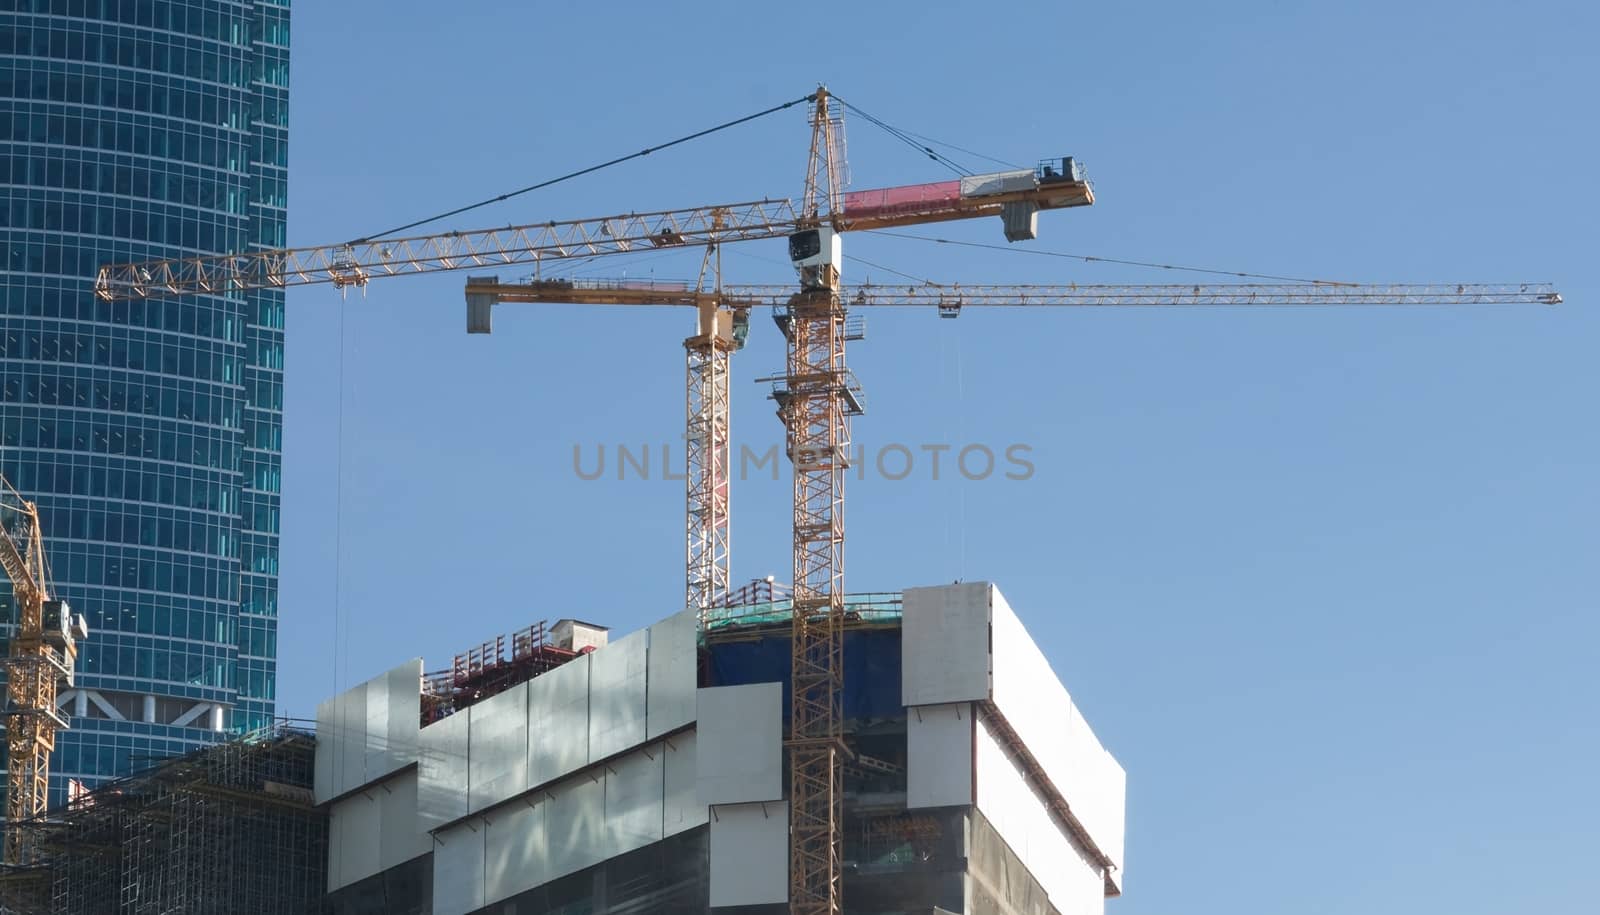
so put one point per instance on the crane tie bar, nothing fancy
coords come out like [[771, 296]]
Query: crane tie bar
[[585, 171]]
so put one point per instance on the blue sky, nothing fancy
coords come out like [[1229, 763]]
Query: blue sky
[[1323, 579]]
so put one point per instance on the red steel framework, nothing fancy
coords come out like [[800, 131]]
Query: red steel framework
[[706, 446], [486, 670], [707, 443]]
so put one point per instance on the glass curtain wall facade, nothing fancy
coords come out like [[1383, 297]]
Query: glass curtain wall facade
[[149, 432]]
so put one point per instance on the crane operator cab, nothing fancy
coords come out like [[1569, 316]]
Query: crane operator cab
[[58, 622], [817, 255], [63, 629], [1052, 171]]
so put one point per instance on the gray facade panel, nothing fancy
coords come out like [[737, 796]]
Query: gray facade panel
[[403, 837], [673, 674], [575, 825], [497, 759], [518, 856], [681, 809], [458, 869], [739, 743], [558, 721], [352, 737], [442, 771], [617, 696]]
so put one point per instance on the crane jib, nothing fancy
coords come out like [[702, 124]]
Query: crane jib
[[1015, 196]]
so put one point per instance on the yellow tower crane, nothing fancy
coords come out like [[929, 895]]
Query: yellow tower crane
[[44, 649], [818, 394], [818, 630]]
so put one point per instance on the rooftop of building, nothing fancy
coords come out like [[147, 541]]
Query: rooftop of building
[[758, 609]]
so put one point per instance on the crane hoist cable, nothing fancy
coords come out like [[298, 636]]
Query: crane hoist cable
[[590, 170], [1092, 259]]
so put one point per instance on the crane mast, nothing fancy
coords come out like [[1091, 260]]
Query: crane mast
[[817, 432], [707, 539], [706, 443], [44, 649]]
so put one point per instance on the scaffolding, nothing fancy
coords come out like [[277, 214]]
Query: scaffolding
[[229, 828]]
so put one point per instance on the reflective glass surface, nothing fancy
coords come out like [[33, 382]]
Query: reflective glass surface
[[148, 432]]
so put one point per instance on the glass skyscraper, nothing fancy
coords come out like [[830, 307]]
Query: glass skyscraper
[[148, 432]]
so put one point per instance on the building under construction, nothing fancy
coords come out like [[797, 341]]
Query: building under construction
[[560, 771], [226, 829]]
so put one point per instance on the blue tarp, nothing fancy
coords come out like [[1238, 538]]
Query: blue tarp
[[871, 670]]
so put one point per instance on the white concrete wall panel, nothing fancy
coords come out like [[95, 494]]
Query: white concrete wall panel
[[1074, 766], [1094, 786], [335, 851], [673, 674], [635, 789], [1109, 812], [442, 771], [325, 779], [939, 755], [352, 726], [1030, 694], [681, 809], [944, 640], [360, 820], [995, 790], [575, 824], [368, 731], [497, 758], [458, 869], [1074, 883], [617, 695], [344, 742], [376, 752], [405, 713], [750, 854], [1026, 688], [739, 743], [516, 858], [401, 836], [558, 721]]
